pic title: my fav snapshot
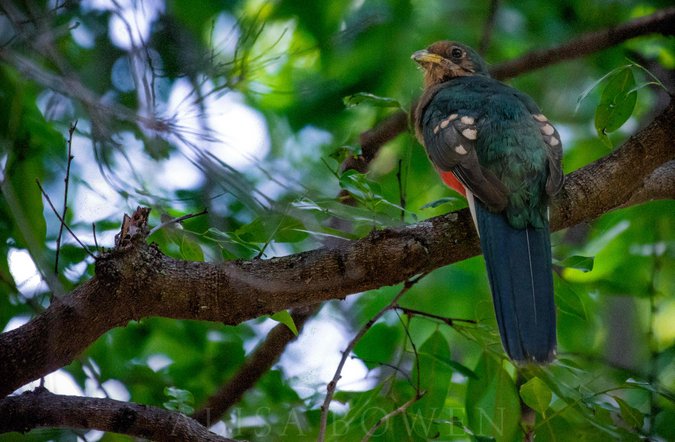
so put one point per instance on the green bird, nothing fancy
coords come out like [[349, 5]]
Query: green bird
[[491, 143]]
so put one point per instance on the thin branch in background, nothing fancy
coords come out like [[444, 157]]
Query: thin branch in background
[[386, 417], [330, 388], [65, 196], [652, 345], [254, 367], [662, 22], [489, 26], [396, 368], [401, 190], [443, 319], [93, 232], [94, 374], [177, 220], [414, 349], [42, 190]]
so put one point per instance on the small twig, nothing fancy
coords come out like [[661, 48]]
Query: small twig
[[389, 415], [62, 220], [65, 195], [177, 220], [443, 319], [417, 356], [330, 388], [487, 29], [401, 190], [93, 231], [388, 365], [95, 375]]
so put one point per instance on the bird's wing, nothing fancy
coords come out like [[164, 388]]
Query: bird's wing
[[551, 138], [554, 151], [450, 135]]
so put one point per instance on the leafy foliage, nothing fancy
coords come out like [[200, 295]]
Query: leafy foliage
[[249, 108]]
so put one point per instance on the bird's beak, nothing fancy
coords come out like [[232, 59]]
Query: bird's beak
[[425, 56]]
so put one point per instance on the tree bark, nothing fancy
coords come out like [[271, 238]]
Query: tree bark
[[40, 408], [137, 280]]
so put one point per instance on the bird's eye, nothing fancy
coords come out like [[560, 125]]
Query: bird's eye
[[456, 53]]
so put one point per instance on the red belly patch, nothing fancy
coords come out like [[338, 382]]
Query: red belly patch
[[451, 181]]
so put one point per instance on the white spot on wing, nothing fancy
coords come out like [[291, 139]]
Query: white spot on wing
[[467, 120], [540, 117], [460, 149], [444, 124], [547, 129], [470, 133], [452, 117], [554, 141]]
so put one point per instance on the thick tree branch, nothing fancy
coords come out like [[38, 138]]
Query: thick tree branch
[[40, 408], [138, 281], [660, 184], [611, 182]]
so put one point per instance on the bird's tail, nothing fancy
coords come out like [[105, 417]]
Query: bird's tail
[[518, 264]]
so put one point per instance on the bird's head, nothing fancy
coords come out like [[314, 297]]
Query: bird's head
[[445, 60]]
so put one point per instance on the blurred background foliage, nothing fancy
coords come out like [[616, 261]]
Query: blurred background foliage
[[239, 107]]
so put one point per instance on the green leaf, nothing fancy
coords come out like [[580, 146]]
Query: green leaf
[[629, 414], [343, 152], [582, 263], [664, 424], [365, 191], [649, 387], [279, 227], [585, 93], [616, 103], [605, 237], [453, 365], [25, 203], [285, 318], [181, 402], [358, 184], [364, 409], [434, 380], [373, 100], [190, 249], [440, 202], [492, 404], [568, 300], [337, 209], [536, 395], [379, 345]]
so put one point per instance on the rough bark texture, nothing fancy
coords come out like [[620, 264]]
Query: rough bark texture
[[138, 281], [612, 181], [40, 408]]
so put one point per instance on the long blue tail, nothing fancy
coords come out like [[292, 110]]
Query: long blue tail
[[518, 264]]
